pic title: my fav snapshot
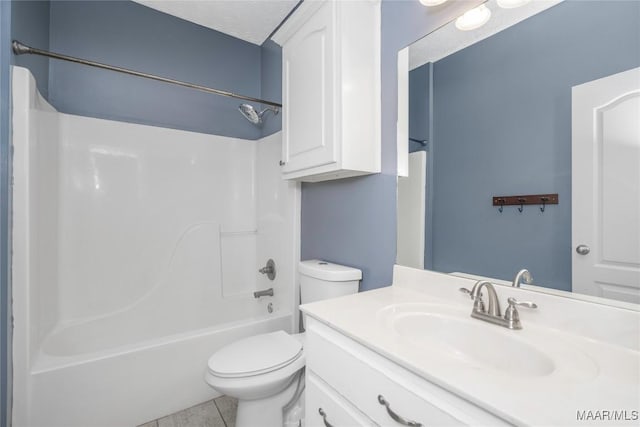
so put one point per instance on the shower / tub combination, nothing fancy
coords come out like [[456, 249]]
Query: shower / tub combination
[[136, 256]]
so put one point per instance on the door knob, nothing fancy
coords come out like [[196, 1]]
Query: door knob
[[583, 249]]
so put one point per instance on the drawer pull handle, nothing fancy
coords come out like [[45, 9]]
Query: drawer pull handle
[[397, 418], [324, 417]]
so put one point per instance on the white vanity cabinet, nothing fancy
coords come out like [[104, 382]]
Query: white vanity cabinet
[[331, 90], [329, 407], [341, 370]]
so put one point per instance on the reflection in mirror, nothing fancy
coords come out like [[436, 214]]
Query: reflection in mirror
[[543, 99]]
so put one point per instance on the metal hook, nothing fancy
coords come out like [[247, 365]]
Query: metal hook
[[422, 142], [521, 208], [501, 208], [544, 203]]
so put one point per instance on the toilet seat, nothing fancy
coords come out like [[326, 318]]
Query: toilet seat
[[248, 379], [256, 355]]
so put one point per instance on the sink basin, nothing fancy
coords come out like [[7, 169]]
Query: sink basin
[[475, 343], [451, 333]]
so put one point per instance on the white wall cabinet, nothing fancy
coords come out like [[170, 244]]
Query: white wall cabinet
[[331, 90], [346, 380]]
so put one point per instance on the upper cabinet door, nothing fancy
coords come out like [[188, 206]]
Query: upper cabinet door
[[331, 90], [309, 93]]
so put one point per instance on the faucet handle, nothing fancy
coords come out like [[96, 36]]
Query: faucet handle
[[528, 304], [466, 291], [511, 314], [478, 304]]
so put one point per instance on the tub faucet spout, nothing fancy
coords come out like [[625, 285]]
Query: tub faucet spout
[[263, 293]]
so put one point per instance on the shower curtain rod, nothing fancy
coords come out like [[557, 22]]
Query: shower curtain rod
[[21, 49]]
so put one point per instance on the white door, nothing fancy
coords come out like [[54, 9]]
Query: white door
[[411, 209], [308, 92], [606, 187]]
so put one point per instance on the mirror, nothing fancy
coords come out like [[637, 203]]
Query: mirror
[[544, 99]]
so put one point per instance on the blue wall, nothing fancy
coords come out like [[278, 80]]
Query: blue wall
[[130, 35], [271, 84], [146, 40], [419, 97], [353, 221], [348, 222], [30, 25], [502, 126], [5, 209]]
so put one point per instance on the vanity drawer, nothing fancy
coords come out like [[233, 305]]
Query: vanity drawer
[[361, 376], [338, 412]]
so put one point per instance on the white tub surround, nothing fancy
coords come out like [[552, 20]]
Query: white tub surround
[[415, 344], [136, 255]]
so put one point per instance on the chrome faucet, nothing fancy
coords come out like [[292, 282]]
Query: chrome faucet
[[524, 276], [492, 313], [493, 305], [476, 295]]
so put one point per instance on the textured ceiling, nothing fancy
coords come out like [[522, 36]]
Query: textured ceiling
[[449, 39], [250, 20]]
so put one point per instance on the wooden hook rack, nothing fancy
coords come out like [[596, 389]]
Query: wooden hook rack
[[528, 199]]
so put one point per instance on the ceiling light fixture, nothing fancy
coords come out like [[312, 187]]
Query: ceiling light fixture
[[510, 4], [432, 2], [474, 18]]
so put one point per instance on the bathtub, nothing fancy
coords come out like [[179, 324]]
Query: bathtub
[[129, 385], [136, 255]]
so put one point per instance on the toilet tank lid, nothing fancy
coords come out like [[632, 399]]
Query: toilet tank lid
[[323, 270]]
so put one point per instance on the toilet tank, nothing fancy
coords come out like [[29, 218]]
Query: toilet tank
[[321, 280]]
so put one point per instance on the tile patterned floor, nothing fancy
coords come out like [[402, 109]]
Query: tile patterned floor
[[220, 412]]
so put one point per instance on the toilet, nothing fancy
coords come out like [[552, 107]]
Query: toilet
[[263, 371]]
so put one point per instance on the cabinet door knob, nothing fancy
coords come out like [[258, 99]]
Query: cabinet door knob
[[324, 417], [282, 163], [397, 418]]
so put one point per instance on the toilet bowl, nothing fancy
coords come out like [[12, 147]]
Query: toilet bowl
[[261, 372], [264, 371]]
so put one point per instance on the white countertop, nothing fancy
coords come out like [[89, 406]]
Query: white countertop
[[588, 374]]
